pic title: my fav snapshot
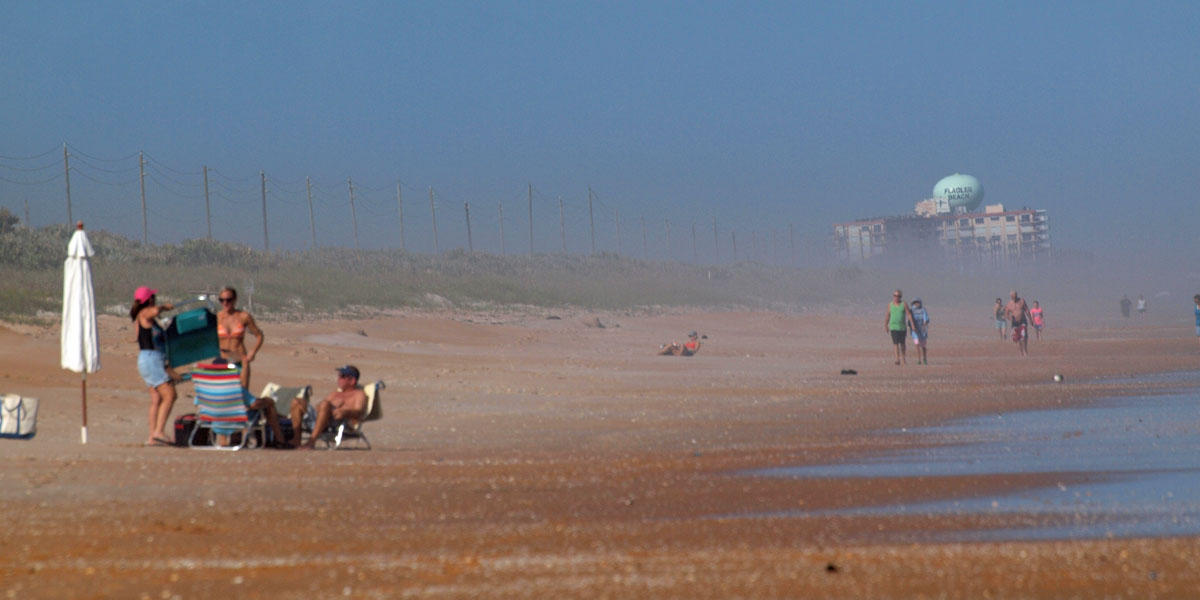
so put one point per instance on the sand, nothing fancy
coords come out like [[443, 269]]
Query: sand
[[527, 456]]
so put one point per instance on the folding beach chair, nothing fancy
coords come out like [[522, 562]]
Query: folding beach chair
[[221, 404], [342, 433], [283, 397]]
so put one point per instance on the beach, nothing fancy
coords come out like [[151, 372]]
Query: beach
[[550, 453]]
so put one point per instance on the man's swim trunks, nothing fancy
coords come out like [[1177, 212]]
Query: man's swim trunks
[[1018, 332]]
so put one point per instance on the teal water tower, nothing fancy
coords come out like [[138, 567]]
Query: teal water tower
[[963, 192]]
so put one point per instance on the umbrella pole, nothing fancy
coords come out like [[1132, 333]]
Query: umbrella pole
[[83, 431]]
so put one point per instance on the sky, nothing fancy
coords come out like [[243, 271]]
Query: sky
[[771, 119]]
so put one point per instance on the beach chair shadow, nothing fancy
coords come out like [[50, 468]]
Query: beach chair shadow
[[348, 434], [221, 407]]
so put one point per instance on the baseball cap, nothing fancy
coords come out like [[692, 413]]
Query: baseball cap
[[143, 293], [348, 371]]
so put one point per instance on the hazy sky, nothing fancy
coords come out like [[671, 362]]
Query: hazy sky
[[761, 115]]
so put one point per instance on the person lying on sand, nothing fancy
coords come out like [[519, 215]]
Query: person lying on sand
[[687, 348]]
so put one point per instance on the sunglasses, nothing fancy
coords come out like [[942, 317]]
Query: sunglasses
[[224, 300]]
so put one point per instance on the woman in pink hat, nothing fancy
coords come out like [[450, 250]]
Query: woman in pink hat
[[152, 362]]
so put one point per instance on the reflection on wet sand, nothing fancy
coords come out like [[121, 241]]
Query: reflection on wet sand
[[1129, 468]]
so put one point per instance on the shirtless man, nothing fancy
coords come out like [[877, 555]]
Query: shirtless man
[[232, 325], [1017, 313], [347, 402]]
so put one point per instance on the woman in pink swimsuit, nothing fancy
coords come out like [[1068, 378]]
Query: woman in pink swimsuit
[[232, 325], [1038, 320]]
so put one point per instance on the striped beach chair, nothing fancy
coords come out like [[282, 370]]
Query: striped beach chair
[[221, 407]]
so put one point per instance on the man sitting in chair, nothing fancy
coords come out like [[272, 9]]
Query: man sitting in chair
[[347, 402]]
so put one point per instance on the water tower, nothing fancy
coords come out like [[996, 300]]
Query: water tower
[[963, 192]]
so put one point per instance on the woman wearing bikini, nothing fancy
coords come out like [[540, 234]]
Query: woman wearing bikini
[[232, 325], [151, 362]]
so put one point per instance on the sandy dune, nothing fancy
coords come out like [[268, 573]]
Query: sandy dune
[[527, 456]]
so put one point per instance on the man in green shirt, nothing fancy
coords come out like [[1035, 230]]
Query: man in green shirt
[[898, 316]]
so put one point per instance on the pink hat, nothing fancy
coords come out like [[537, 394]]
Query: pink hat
[[143, 294]]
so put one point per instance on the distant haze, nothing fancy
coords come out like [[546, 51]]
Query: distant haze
[[774, 120]]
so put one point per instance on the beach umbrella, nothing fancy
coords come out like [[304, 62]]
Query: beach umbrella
[[80, 343]]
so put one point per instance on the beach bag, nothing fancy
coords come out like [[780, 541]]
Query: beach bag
[[18, 416], [183, 428]]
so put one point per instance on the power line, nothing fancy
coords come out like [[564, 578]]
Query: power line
[[77, 152], [39, 182], [103, 182], [51, 165], [82, 161], [46, 153]]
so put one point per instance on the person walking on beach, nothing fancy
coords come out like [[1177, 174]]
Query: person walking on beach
[[152, 361], [1001, 323], [1039, 320], [898, 316], [232, 325], [1125, 304], [1141, 305], [1017, 313], [920, 330]]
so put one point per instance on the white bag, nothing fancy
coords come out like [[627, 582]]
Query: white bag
[[18, 416]]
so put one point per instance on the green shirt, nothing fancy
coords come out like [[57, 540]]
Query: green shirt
[[896, 318]]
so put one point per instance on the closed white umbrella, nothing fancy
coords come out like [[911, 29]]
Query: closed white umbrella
[[80, 343]]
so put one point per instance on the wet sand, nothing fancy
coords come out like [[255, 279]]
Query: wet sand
[[521, 456]]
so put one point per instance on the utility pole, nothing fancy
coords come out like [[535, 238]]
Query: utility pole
[[433, 211], [645, 252], [470, 240], [501, 229], [716, 243], [207, 206], [591, 220], [400, 214], [312, 222], [353, 213], [142, 179], [733, 237], [617, 218], [695, 257], [266, 239], [562, 225], [792, 244], [67, 177], [531, 219]]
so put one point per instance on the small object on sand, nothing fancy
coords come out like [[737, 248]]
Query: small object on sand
[[553, 318], [831, 568], [849, 372], [362, 332], [594, 323], [1058, 378], [704, 337]]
